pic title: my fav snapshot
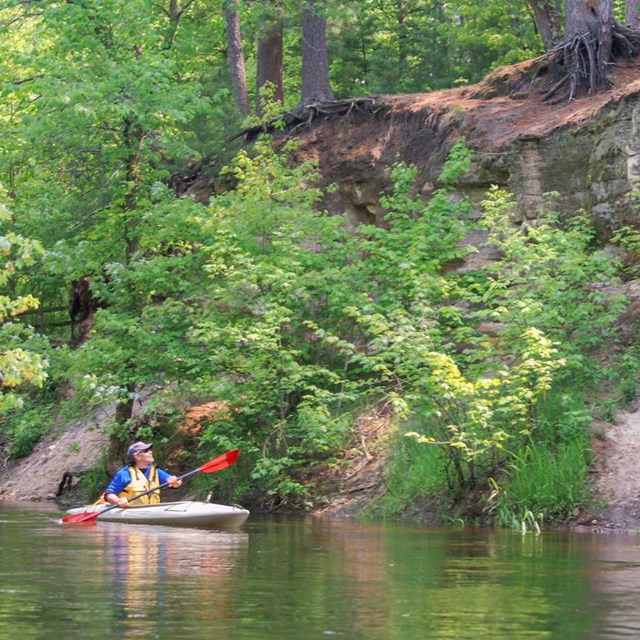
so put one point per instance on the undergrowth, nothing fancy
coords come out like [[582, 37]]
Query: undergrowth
[[290, 320]]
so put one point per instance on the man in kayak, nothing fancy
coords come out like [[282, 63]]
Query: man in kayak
[[137, 476]]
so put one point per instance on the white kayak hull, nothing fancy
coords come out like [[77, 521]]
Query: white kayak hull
[[175, 514]]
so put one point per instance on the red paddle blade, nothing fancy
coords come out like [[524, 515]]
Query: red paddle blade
[[85, 517], [225, 460]]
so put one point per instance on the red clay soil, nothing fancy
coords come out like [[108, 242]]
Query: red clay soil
[[506, 107]]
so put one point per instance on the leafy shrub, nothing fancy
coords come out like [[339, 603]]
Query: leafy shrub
[[26, 428]]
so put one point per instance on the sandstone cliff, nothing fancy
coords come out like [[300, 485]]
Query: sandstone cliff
[[588, 150]]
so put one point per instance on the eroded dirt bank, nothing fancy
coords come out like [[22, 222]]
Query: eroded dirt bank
[[616, 475], [54, 463]]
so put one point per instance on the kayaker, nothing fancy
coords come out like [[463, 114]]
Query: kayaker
[[137, 476]]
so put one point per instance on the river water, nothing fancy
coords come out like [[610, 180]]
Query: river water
[[302, 578]]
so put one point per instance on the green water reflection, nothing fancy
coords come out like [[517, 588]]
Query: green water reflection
[[310, 578]]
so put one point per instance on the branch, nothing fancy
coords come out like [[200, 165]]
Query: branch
[[30, 79]]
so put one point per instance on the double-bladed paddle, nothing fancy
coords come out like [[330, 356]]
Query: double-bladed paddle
[[221, 462]]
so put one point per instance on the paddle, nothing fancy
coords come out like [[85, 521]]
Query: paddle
[[221, 462]]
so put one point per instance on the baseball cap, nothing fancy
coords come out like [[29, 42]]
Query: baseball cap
[[137, 447]]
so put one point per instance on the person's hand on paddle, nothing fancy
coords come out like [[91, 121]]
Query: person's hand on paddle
[[174, 482], [114, 500]]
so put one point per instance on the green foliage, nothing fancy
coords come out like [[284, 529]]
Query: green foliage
[[289, 304], [20, 365], [92, 483], [474, 418], [550, 277], [257, 298], [382, 46], [415, 476], [481, 405], [268, 269], [26, 428], [275, 309], [548, 474], [291, 329], [469, 403], [629, 239], [551, 482]]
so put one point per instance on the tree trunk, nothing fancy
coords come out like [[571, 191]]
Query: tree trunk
[[605, 40], [315, 62], [586, 49], [632, 13], [403, 36], [580, 17], [269, 65], [547, 20], [235, 55], [117, 443], [174, 18]]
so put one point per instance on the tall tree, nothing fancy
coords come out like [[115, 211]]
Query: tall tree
[[315, 85], [604, 18], [235, 54], [113, 101], [591, 42], [581, 16], [403, 34], [269, 64], [592, 39], [546, 15]]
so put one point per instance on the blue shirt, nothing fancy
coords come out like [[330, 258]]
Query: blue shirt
[[122, 478]]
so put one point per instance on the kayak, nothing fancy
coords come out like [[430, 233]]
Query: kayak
[[173, 514]]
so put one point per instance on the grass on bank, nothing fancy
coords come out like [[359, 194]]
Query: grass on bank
[[544, 481]]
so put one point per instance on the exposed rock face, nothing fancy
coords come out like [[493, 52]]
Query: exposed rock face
[[587, 150]]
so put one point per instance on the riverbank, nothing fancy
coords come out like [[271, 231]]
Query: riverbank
[[356, 153], [56, 463]]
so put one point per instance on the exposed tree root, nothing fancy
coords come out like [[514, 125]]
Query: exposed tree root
[[301, 117], [574, 63]]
